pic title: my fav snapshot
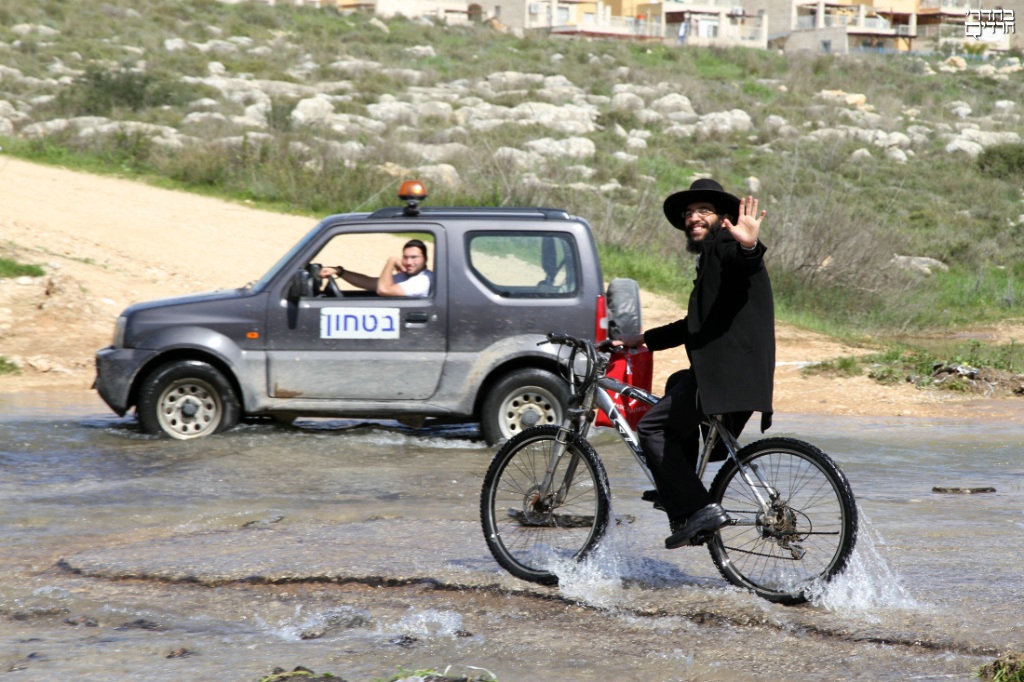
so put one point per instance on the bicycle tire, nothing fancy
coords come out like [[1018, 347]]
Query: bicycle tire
[[815, 526], [528, 540]]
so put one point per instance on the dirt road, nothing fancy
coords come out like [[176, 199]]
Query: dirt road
[[106, 243]]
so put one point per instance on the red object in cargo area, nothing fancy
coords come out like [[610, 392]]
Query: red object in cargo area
[[636, 368]]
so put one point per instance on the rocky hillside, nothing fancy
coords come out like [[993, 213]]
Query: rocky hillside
[[872, 167]]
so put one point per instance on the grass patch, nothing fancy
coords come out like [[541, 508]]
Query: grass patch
[[1008, 668], [11, 268], [8, 367], [964, 367], [846, 366]]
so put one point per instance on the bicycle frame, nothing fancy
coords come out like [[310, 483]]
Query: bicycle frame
[[579, 419]]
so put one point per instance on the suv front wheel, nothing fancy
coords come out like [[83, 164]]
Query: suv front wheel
[[187, 399], [521, 399]]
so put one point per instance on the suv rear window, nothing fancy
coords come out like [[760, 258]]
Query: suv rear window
[[525, 264]]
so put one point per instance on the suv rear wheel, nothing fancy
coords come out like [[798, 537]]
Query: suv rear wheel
[[187, 399], [523, 398]]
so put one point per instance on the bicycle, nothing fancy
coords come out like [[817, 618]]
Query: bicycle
[[546, 496]]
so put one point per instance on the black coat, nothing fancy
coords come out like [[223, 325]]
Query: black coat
[[729, 329]]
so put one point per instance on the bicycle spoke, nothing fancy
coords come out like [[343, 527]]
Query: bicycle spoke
[[529, 530], [807, 533]]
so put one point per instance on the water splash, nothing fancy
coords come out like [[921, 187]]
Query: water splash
[[604, 577], [867, 584], [305, 623], [429, 623]]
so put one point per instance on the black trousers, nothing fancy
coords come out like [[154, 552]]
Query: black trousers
[[670, 435]]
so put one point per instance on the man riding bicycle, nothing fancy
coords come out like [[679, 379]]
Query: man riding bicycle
[[729, 334]]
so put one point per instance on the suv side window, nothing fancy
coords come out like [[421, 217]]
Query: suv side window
[[525, 264], [366, 253]]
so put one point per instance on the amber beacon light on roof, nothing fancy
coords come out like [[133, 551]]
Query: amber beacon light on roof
[[412, 192]]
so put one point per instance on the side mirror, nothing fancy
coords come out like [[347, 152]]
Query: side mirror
[[301, 286]]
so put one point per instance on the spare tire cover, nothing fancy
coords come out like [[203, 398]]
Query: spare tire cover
[[624, 314]]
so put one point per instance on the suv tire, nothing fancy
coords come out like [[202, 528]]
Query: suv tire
[[521, 399], [187, 399]]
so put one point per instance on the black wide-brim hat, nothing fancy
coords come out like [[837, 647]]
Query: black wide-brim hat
[[704, 189]]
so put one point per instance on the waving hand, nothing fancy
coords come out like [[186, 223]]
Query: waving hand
[[748, 225]]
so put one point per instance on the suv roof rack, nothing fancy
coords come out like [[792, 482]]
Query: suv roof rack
[[462, 211]]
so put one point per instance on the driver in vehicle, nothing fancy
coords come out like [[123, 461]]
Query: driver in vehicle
[[407, 276]]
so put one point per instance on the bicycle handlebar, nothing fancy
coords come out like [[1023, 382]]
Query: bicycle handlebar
[[563, 339]]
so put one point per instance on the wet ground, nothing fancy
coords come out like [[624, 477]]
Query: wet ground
[[356, 549]]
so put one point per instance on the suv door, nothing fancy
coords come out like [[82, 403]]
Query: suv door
[[360, 346]]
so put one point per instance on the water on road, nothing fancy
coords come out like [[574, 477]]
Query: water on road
[[356, 549]]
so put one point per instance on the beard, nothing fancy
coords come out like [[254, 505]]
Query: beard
[[693, 246]]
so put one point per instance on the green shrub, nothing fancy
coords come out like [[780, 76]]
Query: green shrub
[[1003, 161], [8, 367], [100, 93]]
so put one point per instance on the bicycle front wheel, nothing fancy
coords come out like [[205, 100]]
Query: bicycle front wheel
[[808, 532], [530, 532]]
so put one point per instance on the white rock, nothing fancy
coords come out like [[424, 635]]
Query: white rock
[[216, 46], [503, 81], [681, 130], [920, 264], [441, 111], [349, 151], [568, 119], [422, 51], [636, 143], [672, 103], [519, 159], [355, 67], [720, 123], [959, 144], [573, 147], [312, 111], [441, 175], [626, 101], [198, 117], [437, 153], [1004, 106], [861, 155], [896, 154], [394, 113]]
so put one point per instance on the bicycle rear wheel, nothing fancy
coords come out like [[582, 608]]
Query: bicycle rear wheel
[[807, 536], [527, 533]]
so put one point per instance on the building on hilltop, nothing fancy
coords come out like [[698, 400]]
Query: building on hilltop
[[820, 26], [898, 26]]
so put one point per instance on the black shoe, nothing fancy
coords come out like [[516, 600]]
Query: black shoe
[[652, 496], [698, 528]]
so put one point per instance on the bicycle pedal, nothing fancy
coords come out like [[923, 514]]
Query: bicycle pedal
[[652, 496], [700, 539]]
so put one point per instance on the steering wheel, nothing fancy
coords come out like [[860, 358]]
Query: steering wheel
[[331, 289], [314, 270]]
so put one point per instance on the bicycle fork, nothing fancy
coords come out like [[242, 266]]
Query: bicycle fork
[[544, 501]]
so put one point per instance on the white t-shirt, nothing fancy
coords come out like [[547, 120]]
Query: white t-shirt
[[417, 286]]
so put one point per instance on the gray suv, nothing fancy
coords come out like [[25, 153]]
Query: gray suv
[[285, 346]]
